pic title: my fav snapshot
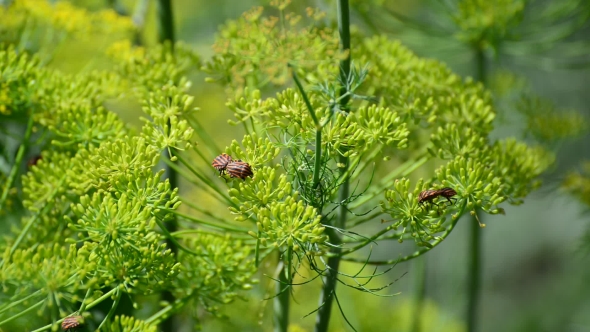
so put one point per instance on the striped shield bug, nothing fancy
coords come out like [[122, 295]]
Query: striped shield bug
[[220, 162], [71, 322], [239, 169]]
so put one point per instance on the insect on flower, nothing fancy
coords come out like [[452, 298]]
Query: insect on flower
[[220, 162], [428, 196], [239, 169], [70, 323]]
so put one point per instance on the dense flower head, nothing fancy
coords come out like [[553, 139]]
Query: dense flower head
[[289, 223], [49, 269], [18, 74], [487, 21], [258, 193], [256, 151], [421, 221], [113, 161], [121, 244], [166, 127], [129, 324], [422, 90], [220, 269]]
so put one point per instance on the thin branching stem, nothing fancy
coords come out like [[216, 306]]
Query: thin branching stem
[[420, 252], [403, 170], [24, 312], [210, 223], [87, 307], [318, 132]]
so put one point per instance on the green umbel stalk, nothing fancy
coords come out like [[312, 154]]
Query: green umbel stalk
[[329, 280], [474, 277]]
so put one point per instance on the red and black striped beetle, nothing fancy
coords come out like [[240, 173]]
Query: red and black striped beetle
[[70, 323], [428, 196], [220, 162], [239, 169]]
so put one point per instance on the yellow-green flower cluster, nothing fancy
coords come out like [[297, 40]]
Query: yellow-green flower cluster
[[422, 90], [258, 193], [120, 243], [451, 141], [420, 221], [46, 272], [46, 22], [222, 267], [71, 108], [547, 123], [254, 50], [129, 324], [120, 160], [256, 151], [507, 171], [289, 223], [474, 180], [486, 23], [167, 129], [18, 75], [518, 166], [578, 183]]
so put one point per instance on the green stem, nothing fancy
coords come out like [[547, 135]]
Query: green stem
[[165, 22], [474, 277], [318, 131], [474, 267], [24, 312], [19, 301], [281, 301], [17, 162], [420, 293], [403, 170], [167, 310], [210, 223], [87, 307], [113, 308], [330, 278]]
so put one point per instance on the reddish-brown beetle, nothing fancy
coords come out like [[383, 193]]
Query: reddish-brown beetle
[[428, 196]]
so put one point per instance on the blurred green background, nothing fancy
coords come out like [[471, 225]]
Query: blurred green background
[[535, 273]]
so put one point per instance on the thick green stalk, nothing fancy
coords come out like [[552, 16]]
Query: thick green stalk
[[281, 301], [420, 293], [474, 277], [166, 34], [165, 22], [474, 267], [330, 278]]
